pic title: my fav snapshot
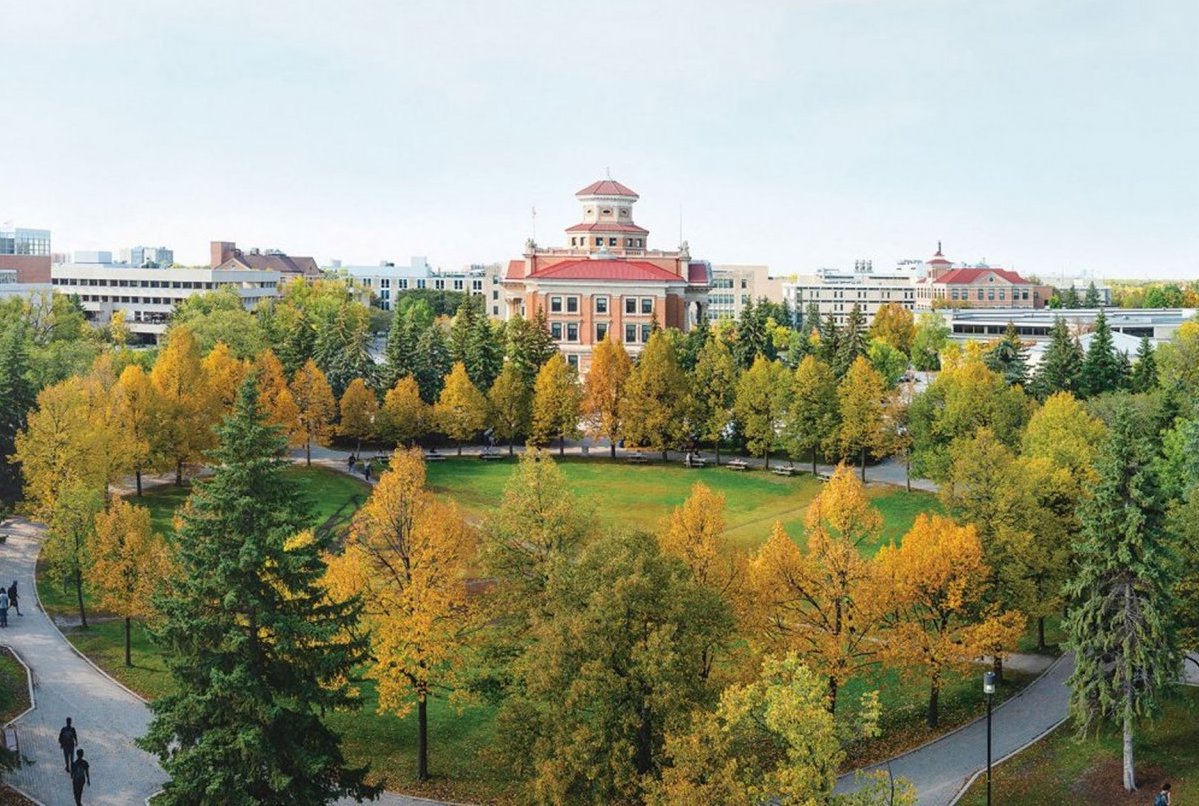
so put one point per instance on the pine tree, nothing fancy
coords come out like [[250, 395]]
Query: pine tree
[[851, 343], [1144, 371], [1120, 619], [529, 345], [16, 399], [431, 363], [1009, 357], [1060, 369], [751, 336], [1091, 300], [1101, 371], [830, 340], [401, 346], [693, 342], [1070, 298], [299, 341], [810, 322], [256, 647], [484, 352]]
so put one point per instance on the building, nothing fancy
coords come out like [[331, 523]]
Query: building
[[11, 286], [1034, 324], [27, 252], [606, 280], [151, 257], [979, 286], [226, 255], [735, 285], [148, 296], [387, 280], [836, 291]]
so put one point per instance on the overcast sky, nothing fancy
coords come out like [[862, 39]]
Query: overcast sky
[[1046, 136]]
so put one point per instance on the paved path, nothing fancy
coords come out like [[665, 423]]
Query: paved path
[[941, 768]]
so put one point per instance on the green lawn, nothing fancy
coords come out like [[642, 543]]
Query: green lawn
[[1064, 768], [14, 686]]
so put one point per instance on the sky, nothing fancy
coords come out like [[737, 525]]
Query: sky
[[1043, 136]]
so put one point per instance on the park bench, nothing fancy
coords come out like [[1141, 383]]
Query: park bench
[[12, 744], [823, 476], [434, 456], [694, 460], [490, 454], [637, 459], [785, 470], [737, 464]]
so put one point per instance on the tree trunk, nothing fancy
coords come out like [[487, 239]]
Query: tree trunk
[[907, 475], [664, 452], [138, 474], [308, 452], [179, 473], [767, 457], [934, 696], [79, 596], [1041, 634], [813, 460], [128, 653], [832, 694], [358, 449], [997, 667], [459, 447], [562, 445], [511, 448], [644, 752], [716, 447], [422, 741], [612, 448], [1130, 773], [863, 465]]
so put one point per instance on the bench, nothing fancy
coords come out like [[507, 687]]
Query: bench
[[695, 461], [785, 470], [823, 476], [490, 455], [12, 744], [637, 459], [434, 456], [737, 464]]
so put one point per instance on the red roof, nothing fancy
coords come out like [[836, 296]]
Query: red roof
[[607, 187], [515, 269], [611, 226], [970, 276], [636, 270], [697, 274]]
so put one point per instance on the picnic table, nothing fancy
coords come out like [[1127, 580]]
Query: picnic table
[[694, 460], [637, 459], [785, 470], [737, 464]]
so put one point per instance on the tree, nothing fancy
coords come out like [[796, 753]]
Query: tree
[[401, 340], [1008, 357], [863, 399], [530, 344], [751, 336], [223, 373], [341, 345], [713, 392], [932, 334], [1070, 298], [1101, 370], [298, 344], [812, 417], [404, 416], [314, 400], [510, 403], [129, 565], [431, 363], [257, 648], [276, 398], [822, 603], [655, 397], [1178, 360], [358, 408], [407, 557], [183, 431], [604, 389], [895, 325], [1091, 300], [937, 579], [852, 342], [1060, 369], [461, 410], [556, 402], [69, 537], [16, 399], [137, 406], [763, 394], [220, 317], [1120, 620], [887, 361], [1144, 371]]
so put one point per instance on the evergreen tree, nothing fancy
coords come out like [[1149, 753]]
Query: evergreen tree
[[1144, 371], [299, 342], [460, 329], [431, 363], [1009, 358], [530, 345], [830, 340], [257, 649], [852, 342], [1060, 369], [694, 342], [1070, 298], [1101, 370], [340, 348], [400, 351], [1091, 300], [16, 399], [484, 352], [751, 336], [1120, 620], [810, 321]]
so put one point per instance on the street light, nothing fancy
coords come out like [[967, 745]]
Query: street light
[[989, 690]]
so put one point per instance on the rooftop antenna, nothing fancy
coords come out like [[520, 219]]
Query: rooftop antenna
[[680, 224], [608, 172]]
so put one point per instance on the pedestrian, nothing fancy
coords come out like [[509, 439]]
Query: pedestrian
[[1163, 797], [13, 602], [80, 774], [366, 471], [350, 461], [67, 739], [3, 607]]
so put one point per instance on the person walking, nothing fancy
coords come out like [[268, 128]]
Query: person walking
[[3, 607], [13, 602], [67, 739], [80, 774], [1163, 797]]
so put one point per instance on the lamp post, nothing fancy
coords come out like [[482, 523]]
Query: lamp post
[[989, 690]]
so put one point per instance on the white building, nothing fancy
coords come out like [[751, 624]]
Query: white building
[[11, 286], [735, 285], [836, 291], [984, 324], [148, 296], [387, 280]]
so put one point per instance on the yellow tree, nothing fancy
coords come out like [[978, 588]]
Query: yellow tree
[[510, 401], [277, 399], [895, 325], [864, 402], [358, 406], [129, 564], [223, 374], [556, 402], [763, 394], [812, 415], [184, 427], [938, 582], [655, 405], [603, 391], [314, 399], [407, 556], [461, 409], [822, 603], [136, 408], [405, 416]]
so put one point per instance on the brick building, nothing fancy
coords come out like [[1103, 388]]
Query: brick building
[[980, 286]]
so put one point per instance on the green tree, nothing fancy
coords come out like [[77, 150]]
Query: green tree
[[751, 336], [1120, 621], [407, 323], [461, 410], [932, 334], [220, 317], [1070, 298], [16, 399], [864, 401], [1144, 371], [298, 343], [852, 342], [530, 344], [1060, 369], [655, 397], [557, 399], [256, 647], [431, 363], [484, 352], [1009, 357], [887, 361], [763, 394], [814, 412], [341, 346], [1091, 299], [1101, 370], [713, 392], [510, 404]]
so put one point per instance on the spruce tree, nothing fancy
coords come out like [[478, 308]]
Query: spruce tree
[[1009, 357], [431, 363], [1119, 620], [16, 399], [401, 347], [1091, 300], [751, 336], [257, 649], [830, 339], [852, 342], [298, 344], [1101, 370], [1070, 298], [484, 352], [1144, 372], [1061, 365], [811, 319]]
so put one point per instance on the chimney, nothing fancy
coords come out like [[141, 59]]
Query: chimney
[[220, 251]]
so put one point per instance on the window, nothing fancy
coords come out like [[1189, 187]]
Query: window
[[573, 241], [628, 242], [1002, 294], [495, 293], [630, 305], [630, 334], [403, 282], [601, 330], [647, 305], [601, 304], [495, 310], [477, 285], [572, 304], [645, 331], [556, 330], [606, 211], [573, 360], [599, 241], [385, 283], [457, 285], [611, 242], [980, 293], [744, 283], [990, 293], [954, 293], [420, 283], [439, 285], [572, 331], [555, 304]]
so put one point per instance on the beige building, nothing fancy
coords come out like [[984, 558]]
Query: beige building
[[835, 291], [734, 285], [980, 286]]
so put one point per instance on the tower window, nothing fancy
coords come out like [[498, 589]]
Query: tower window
[[599, 241], [573, 241], [605, 212], [611, 242]]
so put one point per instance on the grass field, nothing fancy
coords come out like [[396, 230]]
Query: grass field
[[1064, 768], [14, 686]]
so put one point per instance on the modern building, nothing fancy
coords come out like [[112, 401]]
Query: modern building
[[836, 291], [387, 280], [27, 252], [148, 296], [11, 286], [984, 324], [607, 279], [946, 285], [226, 255], [735, 285], [154, 257]]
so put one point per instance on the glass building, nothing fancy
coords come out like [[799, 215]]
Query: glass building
[[19, 241]]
